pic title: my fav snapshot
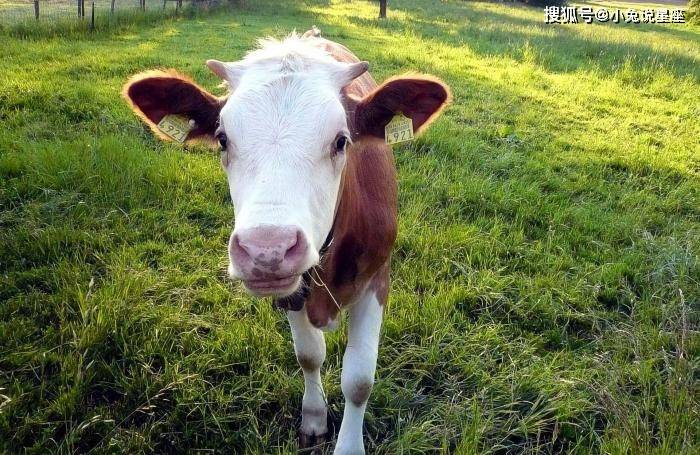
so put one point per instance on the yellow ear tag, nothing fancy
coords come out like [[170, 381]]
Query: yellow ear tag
[[399, 129], [176, 127]]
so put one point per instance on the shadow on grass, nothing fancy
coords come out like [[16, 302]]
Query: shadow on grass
[[561, 48]]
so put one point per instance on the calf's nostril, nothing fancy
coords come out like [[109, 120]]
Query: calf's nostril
[[297, 248], [241, 247], [292, 246]]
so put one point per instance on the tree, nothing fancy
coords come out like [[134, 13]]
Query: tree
[[382, 9]]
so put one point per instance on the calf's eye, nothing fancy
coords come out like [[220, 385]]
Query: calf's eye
[[223, 140], [340, 143]]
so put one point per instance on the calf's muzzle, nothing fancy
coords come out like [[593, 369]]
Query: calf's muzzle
[[269, 259]]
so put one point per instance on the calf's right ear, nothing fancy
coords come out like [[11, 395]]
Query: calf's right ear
[[155, 94]]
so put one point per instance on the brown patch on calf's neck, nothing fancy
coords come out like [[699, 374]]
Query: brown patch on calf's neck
[[348, 253], [363, 234], [365, 224]]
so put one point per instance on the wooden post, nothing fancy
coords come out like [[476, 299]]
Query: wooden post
[[92, 17], [111, 8], [382, 9], [36, 9]]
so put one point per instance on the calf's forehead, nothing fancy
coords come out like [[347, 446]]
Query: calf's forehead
[[286, 105]]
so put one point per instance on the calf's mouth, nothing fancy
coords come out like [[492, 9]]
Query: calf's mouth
[[273, 287]]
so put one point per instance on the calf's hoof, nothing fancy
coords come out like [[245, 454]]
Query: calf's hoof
[[312, 443]]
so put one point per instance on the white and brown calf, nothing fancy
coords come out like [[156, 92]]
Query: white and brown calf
[[313, 186]]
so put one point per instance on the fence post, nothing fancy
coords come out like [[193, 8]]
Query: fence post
[[36, 9], [111, 8], [92, 17]]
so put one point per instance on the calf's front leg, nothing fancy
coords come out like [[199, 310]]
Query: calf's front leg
[[310, 349], [359, 365]]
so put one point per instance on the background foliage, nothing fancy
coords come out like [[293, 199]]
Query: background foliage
[[694, 11]]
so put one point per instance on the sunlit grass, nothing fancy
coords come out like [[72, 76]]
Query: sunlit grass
[[545, 278]]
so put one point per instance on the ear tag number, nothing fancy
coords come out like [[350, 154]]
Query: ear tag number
[[399, 129], [176, 127]]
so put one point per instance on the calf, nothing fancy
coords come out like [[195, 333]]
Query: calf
[[313, 185]]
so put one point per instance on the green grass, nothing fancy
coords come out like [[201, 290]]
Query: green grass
[[546, 281]]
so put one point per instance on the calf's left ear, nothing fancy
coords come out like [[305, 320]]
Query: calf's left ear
[[155, 94], [420, 97]]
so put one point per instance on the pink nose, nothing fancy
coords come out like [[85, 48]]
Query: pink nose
[[267, 251]]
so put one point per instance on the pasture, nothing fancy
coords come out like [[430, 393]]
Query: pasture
[[546, 280]]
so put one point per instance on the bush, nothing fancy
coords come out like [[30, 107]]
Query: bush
[[693, 13]]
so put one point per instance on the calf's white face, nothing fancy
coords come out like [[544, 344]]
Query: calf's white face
[[283, 135]]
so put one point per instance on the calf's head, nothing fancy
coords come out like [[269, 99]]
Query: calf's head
[[284, 130]]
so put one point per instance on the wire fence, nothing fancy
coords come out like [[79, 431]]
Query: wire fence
[[13, 12]]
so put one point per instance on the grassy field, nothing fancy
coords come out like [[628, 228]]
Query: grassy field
[[546, 276], [60, 18]]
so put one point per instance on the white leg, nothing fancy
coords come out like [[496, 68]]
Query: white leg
[[310, 348], [359, 365]]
